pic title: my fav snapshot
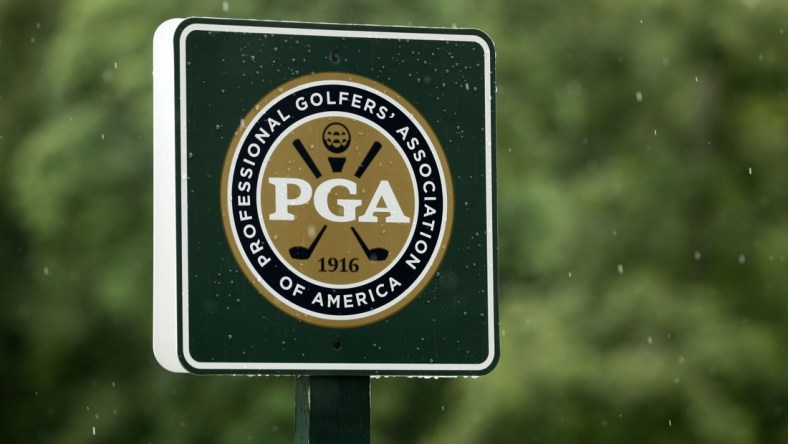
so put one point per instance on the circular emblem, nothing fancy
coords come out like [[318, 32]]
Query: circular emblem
[[337, 200]]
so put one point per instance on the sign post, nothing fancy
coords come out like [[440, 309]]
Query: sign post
[[332, 409], [324, 204]]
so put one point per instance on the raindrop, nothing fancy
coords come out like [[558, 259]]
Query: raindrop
[[620, 269], [750, 170], [229, 336], [46, 271], [742, 259], [697, 255], [225, 6], [639, 96]]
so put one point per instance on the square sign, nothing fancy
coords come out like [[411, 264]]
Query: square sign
[[323, 199]]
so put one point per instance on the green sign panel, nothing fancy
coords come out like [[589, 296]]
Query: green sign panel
[[324, 199]]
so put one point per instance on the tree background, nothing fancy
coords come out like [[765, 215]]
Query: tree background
[[643, 217]]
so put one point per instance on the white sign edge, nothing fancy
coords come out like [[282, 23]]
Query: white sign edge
[[165, 273]]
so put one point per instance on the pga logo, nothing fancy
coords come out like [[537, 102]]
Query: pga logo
[[337, 200], [383, 200]]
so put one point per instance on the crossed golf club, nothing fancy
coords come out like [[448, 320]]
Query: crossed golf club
[[303, 253], [300, 252]]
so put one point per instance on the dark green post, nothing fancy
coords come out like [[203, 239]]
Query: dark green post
[[332, 409]]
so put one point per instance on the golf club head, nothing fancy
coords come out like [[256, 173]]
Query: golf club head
[[300, 253], [378, 254]]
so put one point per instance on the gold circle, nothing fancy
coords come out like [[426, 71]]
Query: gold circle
[[447, 219], [337, 247]]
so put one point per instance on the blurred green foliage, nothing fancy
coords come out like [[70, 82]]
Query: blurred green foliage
[[643, 208]]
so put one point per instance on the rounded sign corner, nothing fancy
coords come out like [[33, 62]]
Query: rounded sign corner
[[167, 359], [166, 30]]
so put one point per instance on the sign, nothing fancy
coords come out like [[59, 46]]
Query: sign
[[323, 199]]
